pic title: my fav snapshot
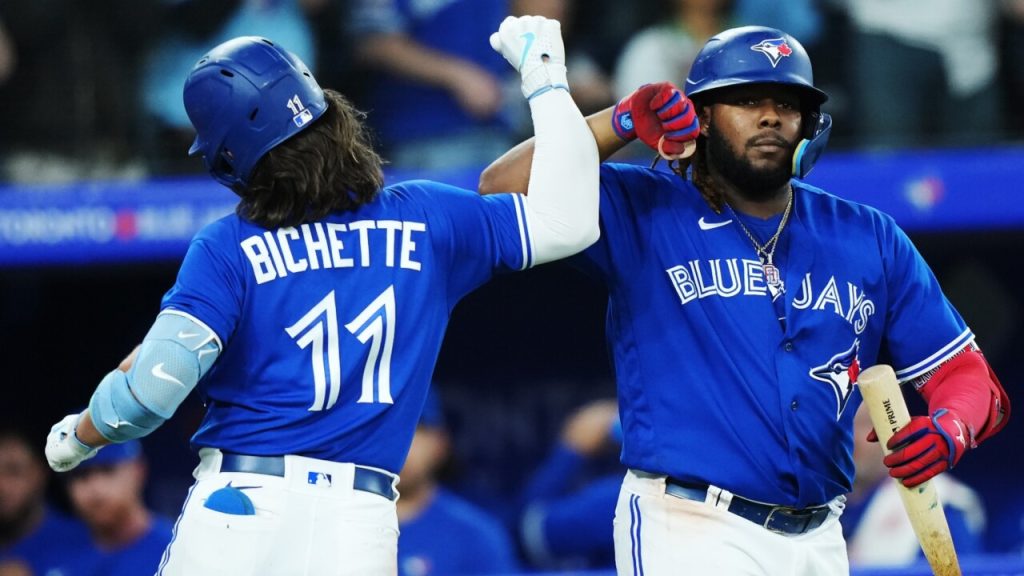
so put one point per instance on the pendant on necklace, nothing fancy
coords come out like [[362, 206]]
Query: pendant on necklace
[[771, 274]]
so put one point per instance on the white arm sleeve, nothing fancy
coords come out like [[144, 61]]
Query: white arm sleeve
[[562, 207]]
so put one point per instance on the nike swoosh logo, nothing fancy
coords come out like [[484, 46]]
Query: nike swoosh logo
[[184, 335], [158, 371], [960, 434], [711, 225], [530, 37], [116, 425], [688, 81]]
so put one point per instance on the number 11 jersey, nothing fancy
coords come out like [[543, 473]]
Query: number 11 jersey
[[330, 330]]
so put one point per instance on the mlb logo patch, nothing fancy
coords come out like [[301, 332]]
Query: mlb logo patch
[[302, 118], [319, 479], [774, 48]]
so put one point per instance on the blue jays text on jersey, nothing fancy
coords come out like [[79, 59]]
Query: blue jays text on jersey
[[330, 330], [720, 384]]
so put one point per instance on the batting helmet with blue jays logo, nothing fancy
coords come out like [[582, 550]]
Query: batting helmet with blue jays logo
[[244, 97], [762, 55]]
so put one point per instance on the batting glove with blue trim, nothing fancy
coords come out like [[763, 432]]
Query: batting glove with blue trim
[[64, 450], [533, 46], [928, 446]]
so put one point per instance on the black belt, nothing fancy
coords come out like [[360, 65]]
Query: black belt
[[364, 479], [780, 519]]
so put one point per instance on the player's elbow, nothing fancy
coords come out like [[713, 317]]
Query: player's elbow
[[490, 180]]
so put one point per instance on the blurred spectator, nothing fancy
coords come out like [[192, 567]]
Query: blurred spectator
[[440, 533], [924, 74], [106, 493], [190, 28], [8, 57], [34, 538], [568, 506], [71, 99], [438, 94], [877, 529], [799, 18], [666, 50]]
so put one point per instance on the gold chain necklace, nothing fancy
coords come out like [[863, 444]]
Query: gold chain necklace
[[766, 251]]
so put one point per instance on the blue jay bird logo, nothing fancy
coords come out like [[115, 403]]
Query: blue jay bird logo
[[841, 373], [775, 49]]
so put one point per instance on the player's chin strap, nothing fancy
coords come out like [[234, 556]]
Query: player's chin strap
[[809, 149]]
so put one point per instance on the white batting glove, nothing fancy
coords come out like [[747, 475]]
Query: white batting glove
[[64, 450], [533, 46]]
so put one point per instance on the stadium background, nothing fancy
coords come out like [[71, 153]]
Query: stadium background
[[85, 260]]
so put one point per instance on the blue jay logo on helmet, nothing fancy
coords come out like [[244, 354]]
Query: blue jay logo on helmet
[[775, 49], [245, 97]]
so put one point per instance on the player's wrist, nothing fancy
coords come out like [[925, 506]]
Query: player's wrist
[[622, 120], [544, 78]]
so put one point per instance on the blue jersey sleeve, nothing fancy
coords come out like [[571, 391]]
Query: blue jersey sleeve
[[210, 286], [480, 235], [922, 328], [628, 194]]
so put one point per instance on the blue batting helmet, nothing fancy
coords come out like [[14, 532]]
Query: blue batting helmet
[[244, 97], [753, 55], [762, 55]]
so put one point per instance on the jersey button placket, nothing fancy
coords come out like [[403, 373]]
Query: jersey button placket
[[788, 347], [794, 405]]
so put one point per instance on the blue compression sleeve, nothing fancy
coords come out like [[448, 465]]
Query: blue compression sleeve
[[174, 356]]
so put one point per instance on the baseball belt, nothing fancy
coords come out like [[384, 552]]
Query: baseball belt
[[364, 479], [781, 519]]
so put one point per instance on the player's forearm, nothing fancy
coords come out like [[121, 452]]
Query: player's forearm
[[562, 210], [511, 172], [87, 432], [400, 55]]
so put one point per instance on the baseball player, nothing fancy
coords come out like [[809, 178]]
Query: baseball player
[[311, 320], [742, 305]]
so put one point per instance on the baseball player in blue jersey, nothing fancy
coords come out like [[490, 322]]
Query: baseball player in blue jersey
[[311, 320], [742, 304]]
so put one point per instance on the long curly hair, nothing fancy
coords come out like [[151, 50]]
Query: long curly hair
[[331, 166], [700, 175]]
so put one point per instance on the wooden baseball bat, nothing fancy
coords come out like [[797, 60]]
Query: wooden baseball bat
[[889, 413]]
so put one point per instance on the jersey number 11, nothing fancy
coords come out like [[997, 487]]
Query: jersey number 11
[[318, 330]]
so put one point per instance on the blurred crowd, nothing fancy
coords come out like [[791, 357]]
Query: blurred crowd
[[98, 521], [93, 90]]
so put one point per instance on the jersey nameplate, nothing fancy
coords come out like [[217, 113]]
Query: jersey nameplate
[[275, 254]]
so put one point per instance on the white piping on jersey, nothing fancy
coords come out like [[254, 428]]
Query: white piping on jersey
[[213, 335], [519, 201], [943, 354]]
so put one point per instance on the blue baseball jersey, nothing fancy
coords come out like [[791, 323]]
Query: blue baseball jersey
[[452, 537], [330, 330], [58, 546], [720, 383], [416, 109], [141, 556]]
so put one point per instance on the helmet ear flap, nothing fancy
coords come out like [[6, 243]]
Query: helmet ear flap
[[816, 130]]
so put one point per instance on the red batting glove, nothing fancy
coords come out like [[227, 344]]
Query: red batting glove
[[927, 446], [653, 111]]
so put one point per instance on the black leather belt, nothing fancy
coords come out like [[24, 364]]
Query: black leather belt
[[364, 479], [780, 519]]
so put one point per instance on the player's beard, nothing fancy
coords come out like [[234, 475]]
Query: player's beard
[[752, 183]]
